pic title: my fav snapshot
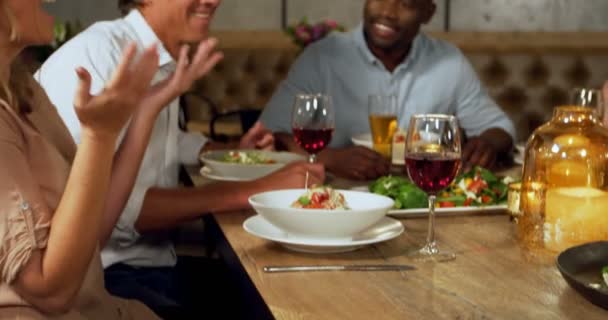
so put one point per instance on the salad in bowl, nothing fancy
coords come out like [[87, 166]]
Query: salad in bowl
[[321, 212], [246, 164]]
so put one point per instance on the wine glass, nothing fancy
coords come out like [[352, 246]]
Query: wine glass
[[432, 159], [312, 122]]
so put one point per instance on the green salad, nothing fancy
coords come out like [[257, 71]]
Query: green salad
[[605, 274], [477, 187], [247, 157], [404, 192]]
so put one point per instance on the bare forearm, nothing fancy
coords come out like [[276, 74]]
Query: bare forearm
[[166, 208], [75, 232], [499, 139]]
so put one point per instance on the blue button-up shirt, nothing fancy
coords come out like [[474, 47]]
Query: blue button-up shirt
[[435, 77]]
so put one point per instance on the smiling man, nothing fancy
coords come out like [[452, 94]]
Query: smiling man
[[145, 202], [387, 54]]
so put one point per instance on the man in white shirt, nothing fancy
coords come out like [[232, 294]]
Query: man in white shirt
[[139, 256], [387, 54]]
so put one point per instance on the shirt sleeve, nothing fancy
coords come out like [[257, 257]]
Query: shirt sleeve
[[304, 77], [24, 216], [190, 145], [476, 111]]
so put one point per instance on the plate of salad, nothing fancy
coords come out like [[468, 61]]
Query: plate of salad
[[475, 190], [243, 165]]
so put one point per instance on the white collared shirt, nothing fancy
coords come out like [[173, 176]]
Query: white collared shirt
[[99, 50]]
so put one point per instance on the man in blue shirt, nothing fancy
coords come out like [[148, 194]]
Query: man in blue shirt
[[388, 55]]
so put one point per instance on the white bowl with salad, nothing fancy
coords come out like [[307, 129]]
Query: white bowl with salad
[[246, 164], [321, 212]]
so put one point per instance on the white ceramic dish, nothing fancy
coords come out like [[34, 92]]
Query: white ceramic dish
[[209, 174], [365, 140], [385, 229], [518, 155], [213, 160], [362, 139], [366, 209]]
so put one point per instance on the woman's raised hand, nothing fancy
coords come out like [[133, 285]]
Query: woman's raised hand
[[186, 71], [106, 114]]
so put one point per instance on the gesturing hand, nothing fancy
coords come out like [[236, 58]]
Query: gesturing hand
[[258, 137], [106, 113], [185, 74]]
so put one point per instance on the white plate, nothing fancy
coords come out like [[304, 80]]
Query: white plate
[[422, 212], [385, 229], [214, 160], [362, 139], [209, 174], [518, 155], [365, 140]]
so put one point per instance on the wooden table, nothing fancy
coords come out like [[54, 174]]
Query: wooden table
[[491, 278]]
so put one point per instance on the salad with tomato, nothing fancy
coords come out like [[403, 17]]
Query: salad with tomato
[[477, 187], [323, 197]]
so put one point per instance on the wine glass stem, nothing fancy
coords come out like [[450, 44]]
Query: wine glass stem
[[312, 158], [431, 246]]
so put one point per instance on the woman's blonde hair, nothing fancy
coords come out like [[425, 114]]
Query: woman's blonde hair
[[15, 92]]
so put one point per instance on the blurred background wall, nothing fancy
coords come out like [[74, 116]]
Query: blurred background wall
[[459, 15]]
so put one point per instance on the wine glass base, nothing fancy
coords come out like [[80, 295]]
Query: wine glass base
[[431, 254]]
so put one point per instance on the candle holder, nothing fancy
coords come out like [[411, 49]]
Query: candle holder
[[564, 185]]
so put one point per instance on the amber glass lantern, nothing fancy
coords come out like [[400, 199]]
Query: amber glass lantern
[[564, 191]]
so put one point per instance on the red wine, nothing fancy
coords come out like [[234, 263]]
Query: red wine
[[313, 140], [432, 172]]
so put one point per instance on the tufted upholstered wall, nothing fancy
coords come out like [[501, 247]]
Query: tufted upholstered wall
[[527, 73]]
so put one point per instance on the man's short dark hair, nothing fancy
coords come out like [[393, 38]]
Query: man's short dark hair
[[126, 5]]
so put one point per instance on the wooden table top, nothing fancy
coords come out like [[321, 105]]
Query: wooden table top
[[491, 278]]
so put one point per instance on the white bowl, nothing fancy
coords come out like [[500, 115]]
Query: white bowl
[[363, 139], [214, 161], [366, 209]]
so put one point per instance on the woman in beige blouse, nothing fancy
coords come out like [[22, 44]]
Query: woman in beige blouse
[[52, 195]]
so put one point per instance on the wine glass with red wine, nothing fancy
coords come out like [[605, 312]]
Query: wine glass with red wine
[[312, 122], [432, 159]]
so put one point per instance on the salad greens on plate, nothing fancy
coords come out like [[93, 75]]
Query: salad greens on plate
[[477, 187], [247, 157]]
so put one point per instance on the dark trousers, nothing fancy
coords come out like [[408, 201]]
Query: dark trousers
[[193, 289]]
